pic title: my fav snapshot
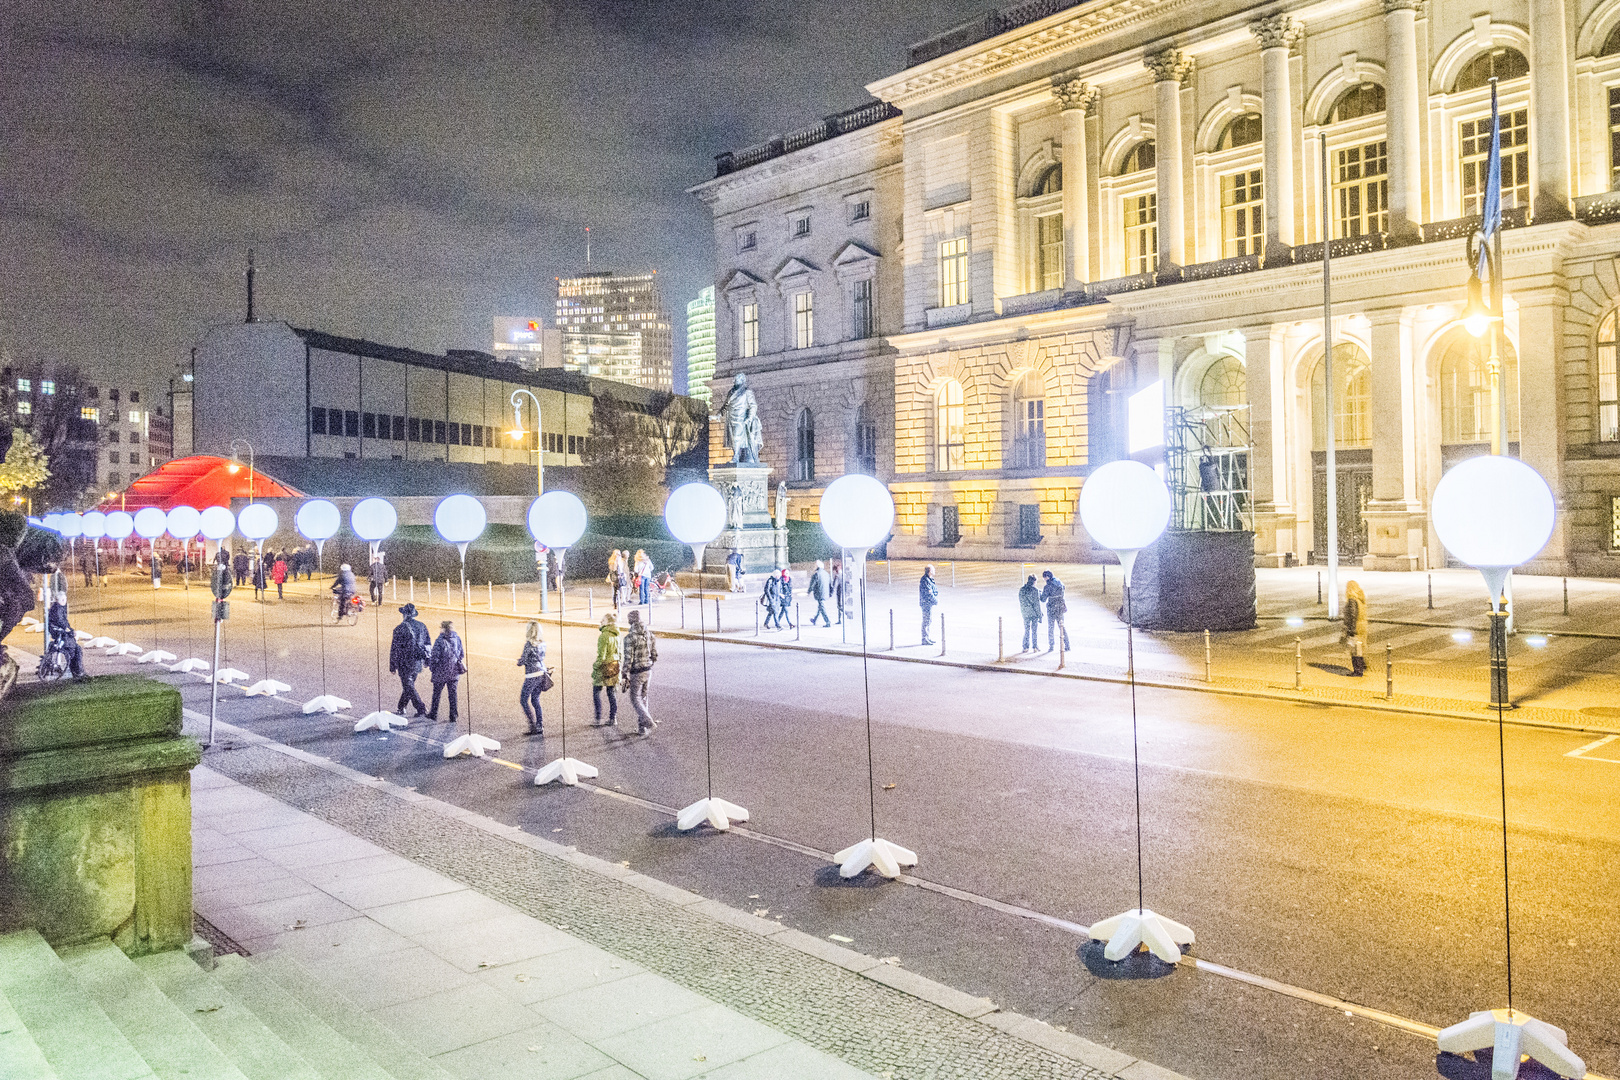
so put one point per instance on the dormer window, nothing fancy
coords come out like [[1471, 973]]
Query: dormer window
[[801, 226], [747, 239], [860, 211]]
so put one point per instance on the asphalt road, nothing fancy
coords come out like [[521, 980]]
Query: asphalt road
[[1352, 853]]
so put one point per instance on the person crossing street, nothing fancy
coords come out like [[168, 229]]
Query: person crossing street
[[927, 598], [407, 653], [820, 591], [448, 663], [640, 654]]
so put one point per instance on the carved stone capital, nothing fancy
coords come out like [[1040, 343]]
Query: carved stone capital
[[1074, 94], [1278, 32], [1170, 65], [1392, 6]]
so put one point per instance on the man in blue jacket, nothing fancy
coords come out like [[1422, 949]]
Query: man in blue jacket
[[927, 597]]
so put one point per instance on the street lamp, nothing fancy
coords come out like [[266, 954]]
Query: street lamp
[[235, 465], [517, 433], [557, 520], [1125, 506], [696, 514], [1495, 513], [857, 512]]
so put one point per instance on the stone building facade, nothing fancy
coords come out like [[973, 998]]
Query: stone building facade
[[1102, 201]]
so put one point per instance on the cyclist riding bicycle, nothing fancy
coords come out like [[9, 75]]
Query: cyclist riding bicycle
[[61, 638], [346, 590]]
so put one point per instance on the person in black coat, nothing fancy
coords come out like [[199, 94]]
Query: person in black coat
[[927, 597], [447, 663], [242, 566], [62, 637], [406, 656]]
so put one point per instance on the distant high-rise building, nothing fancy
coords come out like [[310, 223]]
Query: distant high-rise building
[[615, 327], [700, 344], [529, 343]]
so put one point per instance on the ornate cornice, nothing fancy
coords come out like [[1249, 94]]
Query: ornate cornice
[[1418, 6], [1073, 93], [1278, 31], [1170, 65]]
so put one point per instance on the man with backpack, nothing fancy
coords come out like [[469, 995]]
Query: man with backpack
[[638, 655]]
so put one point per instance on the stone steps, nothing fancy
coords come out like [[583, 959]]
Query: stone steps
[[88, 1012]]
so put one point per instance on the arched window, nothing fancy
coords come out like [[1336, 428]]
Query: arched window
[[1611, 44], [1029, 422], [1607, 418], [1050, 182], [1503, 64], [1224, 383], [1465, 389], [865, 441], [949, 428], [1243, 130], [804, 451], [1141, 156], [1366, 99], [1352, 400]]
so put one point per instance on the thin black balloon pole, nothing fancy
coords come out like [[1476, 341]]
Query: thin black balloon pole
[[264, 602], [562, 671], [1136, 752], [703, 649], [1499, 675], [466, 635], [866, 687]]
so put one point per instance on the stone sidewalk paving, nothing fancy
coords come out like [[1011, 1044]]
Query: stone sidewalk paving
[[426, 916]]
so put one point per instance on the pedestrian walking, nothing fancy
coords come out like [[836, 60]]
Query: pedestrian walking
[[927, 598], [1056, 607], [605, 671], [377, 574], [784, 599], [734, 571], [1355, 627], [346, 590], [261, 581], [621, 581], [767, 597], [1029, 606], [242, 567], [838, 587], [278, 573], [820, 590], [447, 663], [644, 574], [640, 654], [536, 679], [157, 569], [407, 654]]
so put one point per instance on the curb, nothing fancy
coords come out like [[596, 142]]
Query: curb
[[1114, 1063]]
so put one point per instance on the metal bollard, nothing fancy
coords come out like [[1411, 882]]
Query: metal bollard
[[683, 613], [394, 583], [1063, 648], [1389, 671], [716, 614], [1319, 586], [429, 582], [1299, 664], [798, 622], [590, 604], [1566, 596], [1105, 579], [514, 598], [1431, 592], [412, 596], [491, 585], [1000, 651], [942, 633], [891, 629], [953, 573], [1209, 660], [756, 620]]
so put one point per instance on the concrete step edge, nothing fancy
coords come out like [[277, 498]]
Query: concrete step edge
[[77, 1038], [165, 1037], [20, 1056], [305, 1030]]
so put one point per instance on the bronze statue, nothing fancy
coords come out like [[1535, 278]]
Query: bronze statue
[[740, 414]]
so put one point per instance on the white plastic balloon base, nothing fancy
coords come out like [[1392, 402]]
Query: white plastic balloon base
[[156, 656], [126, 649], [886, 858], [717, 812], [470, 744], [266, 688], [102, 642], [191, 664], [1163, 937], [565, 770], [326, 703], [229, 675], [1511, 1034], [380, 721]]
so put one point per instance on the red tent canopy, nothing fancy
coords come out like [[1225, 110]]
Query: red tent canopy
[[200, 481]]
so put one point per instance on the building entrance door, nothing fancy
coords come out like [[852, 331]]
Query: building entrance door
[[1354, 489]]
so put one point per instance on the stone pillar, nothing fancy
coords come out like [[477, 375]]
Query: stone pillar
[[1541, 432], [1274, 519], [1075, 99], [1278, 34], [1170, 69], [1403, 119], [1549, 98], [1394, 515]]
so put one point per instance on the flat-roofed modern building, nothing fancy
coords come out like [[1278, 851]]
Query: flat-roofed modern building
[[700, 345], [614, 326]]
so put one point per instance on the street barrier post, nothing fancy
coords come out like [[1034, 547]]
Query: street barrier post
[[1566, 596], [1431, 592], [716, 613], [412, 596], [1389, 671], [891, 629], [1209, 660], [1319, 586], [798, 622], [942, 633], [1001, 653], [1299, 664]]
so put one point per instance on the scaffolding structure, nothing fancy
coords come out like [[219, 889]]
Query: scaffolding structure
[[1207, 462]]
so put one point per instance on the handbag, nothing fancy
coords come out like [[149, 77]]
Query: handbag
[[545, 680]]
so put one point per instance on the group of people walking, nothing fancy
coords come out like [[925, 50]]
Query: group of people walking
[[629, 662], [631, 579], [825, 583]]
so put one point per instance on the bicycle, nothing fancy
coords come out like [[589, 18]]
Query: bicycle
[[53, 665], [347, 614]]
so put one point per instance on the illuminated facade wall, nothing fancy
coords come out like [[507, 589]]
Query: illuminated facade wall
[[615, 327], [700, 344]]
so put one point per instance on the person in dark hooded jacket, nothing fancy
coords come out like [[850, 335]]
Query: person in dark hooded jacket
[[407, 654], [241, 566], [345, 588], [1029, 606], [927, 597], [447, 663], [1056, 608]]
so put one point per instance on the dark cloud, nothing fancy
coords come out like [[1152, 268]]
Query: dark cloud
[[403, 171]]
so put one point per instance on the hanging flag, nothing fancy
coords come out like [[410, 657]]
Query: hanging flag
[[1491, 212]]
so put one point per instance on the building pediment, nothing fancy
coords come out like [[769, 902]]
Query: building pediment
[[740, 280], [793, 268], [852, 254]]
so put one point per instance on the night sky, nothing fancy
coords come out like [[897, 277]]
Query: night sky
[[403, 172]]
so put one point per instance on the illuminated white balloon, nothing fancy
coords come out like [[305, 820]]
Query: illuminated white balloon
[[218, 522], [1493, 511], [71, 525], [695, 513], [460, 519], [151, 523], [1124, 505], [95, 525], [373, 519], [557, 519], [119, 525], [318, 519], [258, 521], [857, 511], [184, 522]]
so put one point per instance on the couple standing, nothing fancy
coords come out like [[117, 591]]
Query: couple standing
[[411, 650]]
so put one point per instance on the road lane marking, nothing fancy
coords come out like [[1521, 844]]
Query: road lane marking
[[1582, 752]]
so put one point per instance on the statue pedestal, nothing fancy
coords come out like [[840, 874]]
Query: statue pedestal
[[749, 526]]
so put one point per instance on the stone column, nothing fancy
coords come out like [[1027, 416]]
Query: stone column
[[1274, 520], [1549, 97], [1394, 515], [1541, 432], [1170, 69], [1075, 99], [1278, 35], [1402, 118]]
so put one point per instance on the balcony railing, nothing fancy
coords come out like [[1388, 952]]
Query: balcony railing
[[985, 27], [828, 128]]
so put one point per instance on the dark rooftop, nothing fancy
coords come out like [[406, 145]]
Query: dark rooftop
[[984, 27], [827, 128]]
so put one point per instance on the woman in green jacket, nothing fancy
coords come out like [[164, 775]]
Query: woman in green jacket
[[605, 672]]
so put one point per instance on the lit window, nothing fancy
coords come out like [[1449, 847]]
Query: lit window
[[1352, 400], [953, 272], [1361, 189], [748, 332], [1475, 142], [803, 320], [860, 307], [90, 412], [865, 442], [47, 386], [1608, 382], [1029, 423], [23, 386], [25, 408], [949, 429], [1141, 234], [134, 416], [1614, 137], [1049, 235], [804, 457], [1243, 213]]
